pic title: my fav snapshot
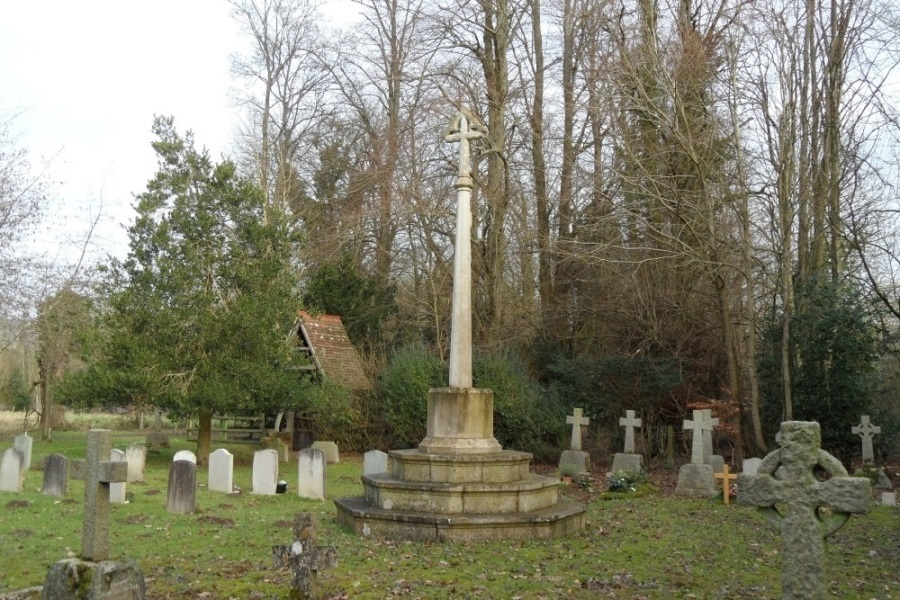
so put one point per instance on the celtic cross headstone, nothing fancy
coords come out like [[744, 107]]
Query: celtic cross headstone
[[867, 430]]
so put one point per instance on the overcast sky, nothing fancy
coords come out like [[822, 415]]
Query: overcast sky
[[88, 77]]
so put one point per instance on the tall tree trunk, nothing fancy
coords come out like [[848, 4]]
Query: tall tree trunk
[[545, 279]]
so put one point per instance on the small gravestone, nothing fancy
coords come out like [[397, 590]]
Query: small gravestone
[[375, 462], [331, 451], [23, 443], [889, 498], [136, 457], [156, 438], [574, 460], [750, 466], [93, 576], [12, 475], [181, 493], [185, 455], [265, 472], [56, 475], [304, 557], [813, 509], [311, 474], [726, 478], [696, 478], [117, 490], [628, 461], [221, 471]]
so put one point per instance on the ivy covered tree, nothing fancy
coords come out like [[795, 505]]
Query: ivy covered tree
[[199, 312]]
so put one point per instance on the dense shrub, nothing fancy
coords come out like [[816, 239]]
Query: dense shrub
[[403, 390], [337, 414]]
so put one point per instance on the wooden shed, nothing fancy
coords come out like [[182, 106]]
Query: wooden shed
[[333, 356]]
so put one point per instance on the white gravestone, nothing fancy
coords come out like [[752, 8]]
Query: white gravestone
[[576, 420], [136, 457], [697, 478], [311, 474], [750, 466], [629, 422], [889, 498], [12, 475], [185, 455], [117, 490], [375, 462], [221, 471], [265, 472], [23, 444], [331, 451], [866, 430]]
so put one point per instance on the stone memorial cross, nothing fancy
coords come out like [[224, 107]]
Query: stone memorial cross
[[699, 425], [866, 430], [464, 129], [629, 423], [304, 557], [99, 474], [726, 478], [803, 526], [576, 420]]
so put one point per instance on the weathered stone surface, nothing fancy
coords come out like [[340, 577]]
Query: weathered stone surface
[[182, 489], [136, 457], [332, 456], [574, 462], [802, 527], [221, 471], [627, 462], [311, 474], [375, 462], [577, 420], [707, 438], [304, 557], [699, 426], [696, 481], [889, 498], [265, 472], [751, 466], [56, 475], [460, 421], [866, 431], [117, 490], [23, 443], [629, 422], [157, 439], [716, 461], [76, 579], [98, 475], [12, 475]]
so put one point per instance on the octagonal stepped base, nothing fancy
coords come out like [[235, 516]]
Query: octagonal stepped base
[[532, 493], [495, 467], [561, 519]]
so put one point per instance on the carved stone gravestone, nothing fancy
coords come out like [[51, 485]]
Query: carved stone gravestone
[[265, 472], [331, 451], [56, 475], [23, 443], [696, 478], [136, 457], [181, 493], [866, 431], [751, 465], [117, 490], [574, 460], [375, 462], [221, 471], [628, 460], [12, 475], [717, 461], [804, 526], [311, 474], [304, 558]]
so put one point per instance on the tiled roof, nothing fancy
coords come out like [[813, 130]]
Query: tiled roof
[[334, 353]]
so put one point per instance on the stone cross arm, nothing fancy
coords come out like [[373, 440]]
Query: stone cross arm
[[866, 427]]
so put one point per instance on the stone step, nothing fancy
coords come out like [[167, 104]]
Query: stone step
[[533, 493], [560, 519], [494, 467]]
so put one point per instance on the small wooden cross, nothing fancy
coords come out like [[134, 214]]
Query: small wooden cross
[[576, 420], [726, 478], [98, 473]]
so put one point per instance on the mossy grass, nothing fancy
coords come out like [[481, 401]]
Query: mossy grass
[[639, 546]]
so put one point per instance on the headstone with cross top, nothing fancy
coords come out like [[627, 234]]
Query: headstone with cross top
[[576, 420], [304, 558], [699, 425], [629, 422], [803, 525], [98, 473], [866, 430]]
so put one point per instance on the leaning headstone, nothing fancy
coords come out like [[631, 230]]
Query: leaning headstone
[[265, 472], [866, 431], [185, 455], [56, 475], [375, 462], [304, 557], [803, 527], [12, 475], [696, 478], [221, 471], [628, 461], [889, 498], [750, 466], [23, 444], [574, 460], [331, 451], [311, 474], [136, 457], [117, 490], [182, 489]]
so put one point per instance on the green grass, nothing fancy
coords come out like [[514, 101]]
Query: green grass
[[654, 546]]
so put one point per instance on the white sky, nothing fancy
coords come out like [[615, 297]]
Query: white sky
[[89, 77]]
